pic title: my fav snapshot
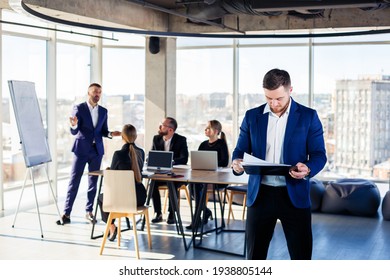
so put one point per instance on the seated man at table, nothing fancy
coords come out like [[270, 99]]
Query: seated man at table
[[168, 140]]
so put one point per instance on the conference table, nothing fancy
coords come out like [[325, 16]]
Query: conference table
[[185, 175], [194, 178]]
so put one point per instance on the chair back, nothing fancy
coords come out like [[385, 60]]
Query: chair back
[[119, 191]]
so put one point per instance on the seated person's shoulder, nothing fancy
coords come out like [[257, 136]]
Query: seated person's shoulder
[[179, 136]]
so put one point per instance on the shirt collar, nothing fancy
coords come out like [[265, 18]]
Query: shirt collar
[[90, 106]]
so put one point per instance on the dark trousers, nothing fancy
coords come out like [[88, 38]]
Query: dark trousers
[[273, 203], [94, 160], [197, 192], [157, 198]]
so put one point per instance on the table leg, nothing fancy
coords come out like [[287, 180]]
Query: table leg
[[149, 189], [176, 213], [96, 207]]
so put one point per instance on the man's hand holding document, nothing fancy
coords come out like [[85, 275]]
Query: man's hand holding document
[[255, 166]]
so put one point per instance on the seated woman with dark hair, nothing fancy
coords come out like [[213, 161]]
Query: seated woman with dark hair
[[130, 157]]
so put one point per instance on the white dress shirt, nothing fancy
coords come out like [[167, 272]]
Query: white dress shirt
[[94, 113], [275, 140], [167, 144]]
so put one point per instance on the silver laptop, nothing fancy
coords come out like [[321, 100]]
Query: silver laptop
[[160, 161], [204, 160]]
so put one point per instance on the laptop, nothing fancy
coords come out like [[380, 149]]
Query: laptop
[[204, 160], [160, 161]]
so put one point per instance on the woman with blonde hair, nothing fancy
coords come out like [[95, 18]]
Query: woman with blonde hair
[[216, 142], [130, 157]]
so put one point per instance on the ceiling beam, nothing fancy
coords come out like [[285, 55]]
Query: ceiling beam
[[120, 13]]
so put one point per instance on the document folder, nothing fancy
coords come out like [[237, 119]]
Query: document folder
[[255, 166], [279, 170]]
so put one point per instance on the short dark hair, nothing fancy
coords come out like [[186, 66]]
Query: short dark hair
[[276, 78], [173, 122], [95, 85]]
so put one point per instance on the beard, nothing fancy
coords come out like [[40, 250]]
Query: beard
[[162, 133], [95, 99], [280, 110]]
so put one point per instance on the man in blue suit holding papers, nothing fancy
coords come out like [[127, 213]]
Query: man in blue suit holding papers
[[280, 131], [89, 124]]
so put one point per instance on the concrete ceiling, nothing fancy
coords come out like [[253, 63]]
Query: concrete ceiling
[[211, 16]]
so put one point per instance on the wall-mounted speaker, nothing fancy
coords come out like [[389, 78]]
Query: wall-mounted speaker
[[154, 44]]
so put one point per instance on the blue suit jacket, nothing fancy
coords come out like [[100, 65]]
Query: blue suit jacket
[[86, 133], [303, 142]]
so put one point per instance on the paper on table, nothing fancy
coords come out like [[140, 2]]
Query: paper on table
[[251, 160], [182, 166]]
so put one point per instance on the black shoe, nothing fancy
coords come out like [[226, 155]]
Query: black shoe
[[207, 216], [189, 227], [90, 218], [113, 236], [170, 219], [157, 219], [64, 220]]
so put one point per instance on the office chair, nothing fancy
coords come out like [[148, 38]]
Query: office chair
[[231, 191], [121, 201], [166, 195]]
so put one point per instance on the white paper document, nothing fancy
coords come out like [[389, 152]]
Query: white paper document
[[251, 160]]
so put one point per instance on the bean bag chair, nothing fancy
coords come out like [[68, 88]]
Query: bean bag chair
[[351, 196], [386, 206]]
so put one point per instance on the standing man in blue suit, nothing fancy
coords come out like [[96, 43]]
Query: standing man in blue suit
[[280, 131], [89, 124]]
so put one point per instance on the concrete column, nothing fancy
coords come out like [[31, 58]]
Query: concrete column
[[160, 86], [97, 60]]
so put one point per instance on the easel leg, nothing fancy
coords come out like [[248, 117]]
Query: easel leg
[[20, 199], [30, 170]]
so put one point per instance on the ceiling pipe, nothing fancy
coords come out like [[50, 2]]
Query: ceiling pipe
[[172, 12], [280, 5]]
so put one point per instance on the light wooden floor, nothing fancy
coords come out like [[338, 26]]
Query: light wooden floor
[[336, 237]]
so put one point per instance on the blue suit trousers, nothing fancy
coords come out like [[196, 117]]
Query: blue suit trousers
[[94, 160]]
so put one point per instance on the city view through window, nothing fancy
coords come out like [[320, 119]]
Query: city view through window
[[351, 93]]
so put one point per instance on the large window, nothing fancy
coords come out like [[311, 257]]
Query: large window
[[73, 71], [352, 96], [25, 60], [204, 92], [124, 93], [350, 91]]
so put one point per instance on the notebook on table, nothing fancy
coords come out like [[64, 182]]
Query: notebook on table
[[204, 160], [160, 162]]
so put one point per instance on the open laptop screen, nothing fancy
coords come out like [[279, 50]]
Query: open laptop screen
[[204, 160], [160, 161]]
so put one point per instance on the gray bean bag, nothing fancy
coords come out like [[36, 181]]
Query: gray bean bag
[[386, 206], [351, 196]]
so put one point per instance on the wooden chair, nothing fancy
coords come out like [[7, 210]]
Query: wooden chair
[[121, 201], [166, 195], [231, 191]]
